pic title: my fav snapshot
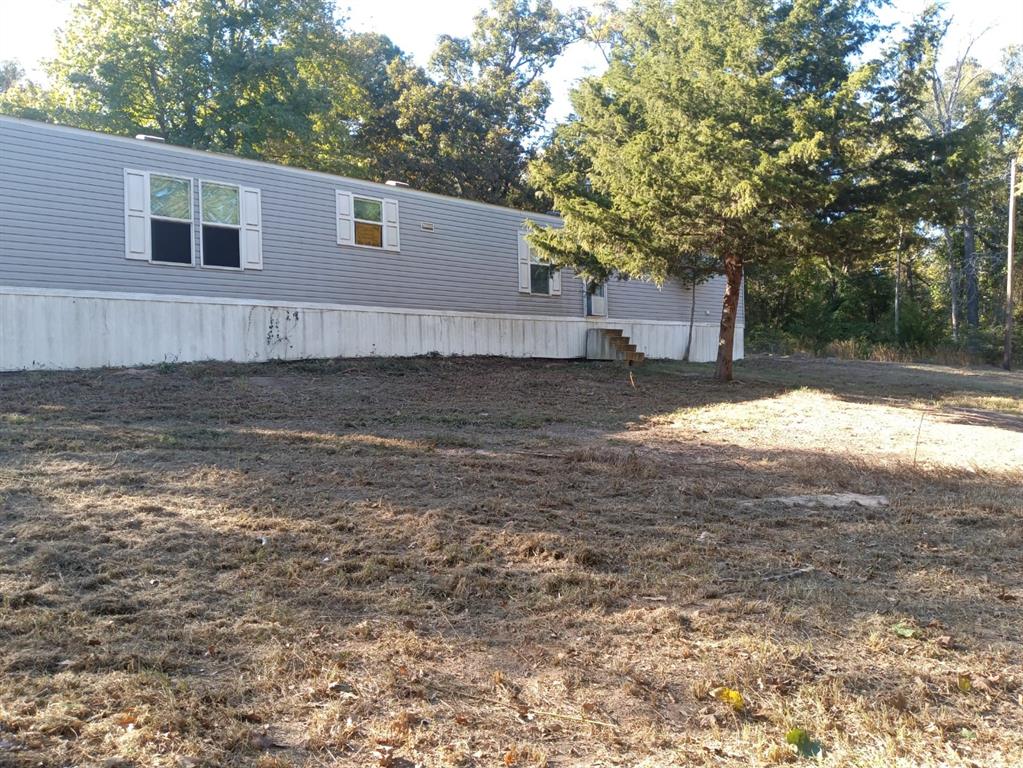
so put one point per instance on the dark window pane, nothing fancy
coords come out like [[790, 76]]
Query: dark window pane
[[539, 278], [221, 247], [369, 234], [172, 241]]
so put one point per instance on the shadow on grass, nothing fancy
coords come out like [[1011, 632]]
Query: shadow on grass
[[211, 551]]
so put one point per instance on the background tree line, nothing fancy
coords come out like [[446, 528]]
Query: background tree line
[[286, 81], [856, 184], [940, 286]]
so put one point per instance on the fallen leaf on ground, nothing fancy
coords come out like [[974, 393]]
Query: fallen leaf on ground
[[805, 746], [731, 697], [902, 629]]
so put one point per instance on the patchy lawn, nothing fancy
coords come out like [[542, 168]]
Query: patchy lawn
[[497, 563]]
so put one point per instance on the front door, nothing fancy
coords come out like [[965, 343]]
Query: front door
[[596, 300]]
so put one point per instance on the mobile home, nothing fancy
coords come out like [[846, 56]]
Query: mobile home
[[118, 251]]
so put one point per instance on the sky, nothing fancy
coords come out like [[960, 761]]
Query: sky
[[28, 27]]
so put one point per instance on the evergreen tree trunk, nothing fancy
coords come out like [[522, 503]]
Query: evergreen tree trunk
[[898, 291], [953, 289], [729, 314], [692, 319], [898, 283], [970, 270]]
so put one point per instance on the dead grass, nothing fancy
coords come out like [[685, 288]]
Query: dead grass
[[485, 562]]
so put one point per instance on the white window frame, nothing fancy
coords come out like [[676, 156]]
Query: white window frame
[[390, 230], [527, 257], [237, 227], [190, 221], [586, 299], [357, 220], [535, 260], [150, 216]]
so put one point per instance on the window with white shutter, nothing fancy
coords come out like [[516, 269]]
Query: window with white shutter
[[536, 276], [158, 218], [345, 224], [159, 221], [136, 215], [368, 222], [220, 210], [252, 228]]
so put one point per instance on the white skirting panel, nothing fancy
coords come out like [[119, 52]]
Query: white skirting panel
[[42, 328]]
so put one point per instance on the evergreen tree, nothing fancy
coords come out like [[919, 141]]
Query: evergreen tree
[[746, 131]]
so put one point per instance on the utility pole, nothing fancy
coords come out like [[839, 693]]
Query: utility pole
[[1007, 359]]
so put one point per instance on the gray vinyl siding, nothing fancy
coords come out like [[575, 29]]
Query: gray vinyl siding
[[62, 226]]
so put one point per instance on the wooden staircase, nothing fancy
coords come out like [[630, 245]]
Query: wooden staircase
[[623, 348]]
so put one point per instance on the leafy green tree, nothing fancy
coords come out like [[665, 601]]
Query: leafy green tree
[[466, 126], [11, 74], [232, 75], [745, 130], [282, 81], [973, 114]]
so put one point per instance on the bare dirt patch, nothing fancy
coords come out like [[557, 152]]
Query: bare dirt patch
[[489, 562]]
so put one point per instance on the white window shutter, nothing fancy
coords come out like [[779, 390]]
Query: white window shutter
[[252, 228], [136, 215], [555, 281], [524, 281], [345, 220], [391, 240]]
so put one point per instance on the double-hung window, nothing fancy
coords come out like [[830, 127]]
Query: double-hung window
[[539, 275], [170, 219], [220, 206], [536, 276], [158, 218], [369, 222], [159, 221]]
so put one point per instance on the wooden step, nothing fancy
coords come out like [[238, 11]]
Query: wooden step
[[624, 349]]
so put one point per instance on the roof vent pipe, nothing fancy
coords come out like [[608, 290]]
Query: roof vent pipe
[[149, 137]]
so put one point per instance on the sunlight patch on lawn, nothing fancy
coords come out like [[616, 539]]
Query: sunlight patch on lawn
[[815, 421]]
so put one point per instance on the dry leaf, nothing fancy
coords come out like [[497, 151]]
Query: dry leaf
[[902, 629], [511, 757], [731, 697]]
